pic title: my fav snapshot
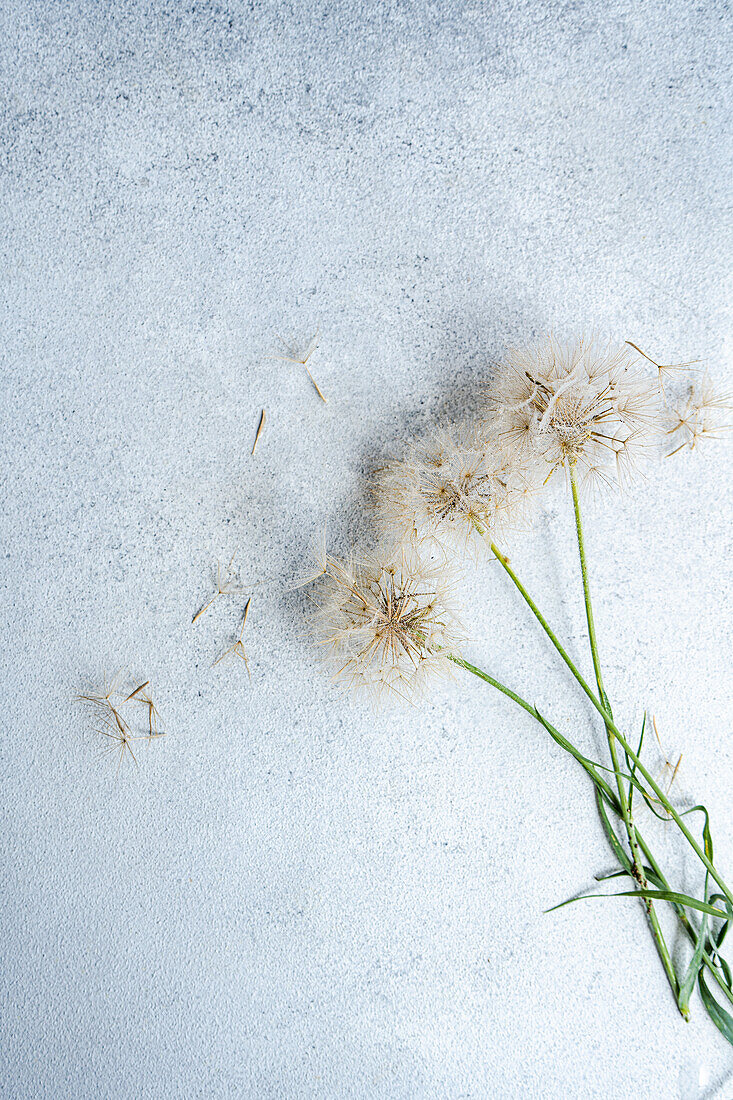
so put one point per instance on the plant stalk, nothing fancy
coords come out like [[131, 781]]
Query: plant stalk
[[636, 863], [608, 720], [601, 785], [683, 918]]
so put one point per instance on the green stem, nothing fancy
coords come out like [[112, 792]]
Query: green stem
[[608, 720], [601, 786], [587, 764], [683, 918], [494, 683], [622, 793], [504, 562]]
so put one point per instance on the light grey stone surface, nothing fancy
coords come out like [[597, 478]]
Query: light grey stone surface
[[294, 896]]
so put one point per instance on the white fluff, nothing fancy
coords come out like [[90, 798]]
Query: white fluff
[[576, 404], [387, 621]]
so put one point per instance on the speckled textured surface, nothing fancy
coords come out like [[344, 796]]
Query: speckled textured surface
[[293, 896]]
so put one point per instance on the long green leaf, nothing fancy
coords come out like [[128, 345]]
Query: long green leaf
[[693, 970], [718, 937], [707, 838], [654, 895], [632, 765], [588, 765], [618, 874], [649, 801], [726, 973], [616, 845], [722, 1019]]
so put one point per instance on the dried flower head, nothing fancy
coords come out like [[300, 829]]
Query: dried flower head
[[454, 487], [704, 414], [576, 404], [387, 621]]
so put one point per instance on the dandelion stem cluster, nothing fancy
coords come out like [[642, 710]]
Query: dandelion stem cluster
[[388, 620]]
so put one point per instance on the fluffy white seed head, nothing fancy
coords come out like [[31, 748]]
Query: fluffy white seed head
[[577, 404], [454, 487], [387, 621]]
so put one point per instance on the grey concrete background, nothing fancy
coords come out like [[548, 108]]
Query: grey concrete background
[[293, 896]]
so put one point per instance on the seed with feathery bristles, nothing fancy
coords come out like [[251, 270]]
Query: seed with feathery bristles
[[574, 404], [452, 486], [386, 621], [705, 414]]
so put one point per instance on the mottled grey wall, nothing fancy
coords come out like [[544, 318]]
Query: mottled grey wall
[[293, 896]]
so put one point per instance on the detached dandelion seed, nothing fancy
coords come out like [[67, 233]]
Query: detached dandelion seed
[[674, 772], [137, 691], [153, 714], [109, 722], [120, 735], [101, 705], [260, 426], [663, 368], [317, 563], [706, 414], [225, 586], [302, 361], [238, 648], [668, 768]]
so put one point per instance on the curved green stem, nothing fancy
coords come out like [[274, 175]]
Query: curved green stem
[[494, 683], [608, 720], [602, 789], [589, 766], [504, 562]]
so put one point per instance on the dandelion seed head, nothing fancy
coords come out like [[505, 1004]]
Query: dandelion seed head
[[579, 404], [387, 621], [453, 487]]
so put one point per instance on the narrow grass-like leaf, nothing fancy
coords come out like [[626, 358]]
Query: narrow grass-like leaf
[[662, 884], [707, 838], [613, 840], [710, 957], [631, 764], [649, 801], [618, 874], [693, 970], [589, 766], [721, 962], [722, 1019], [654, 895], [718, 937]]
